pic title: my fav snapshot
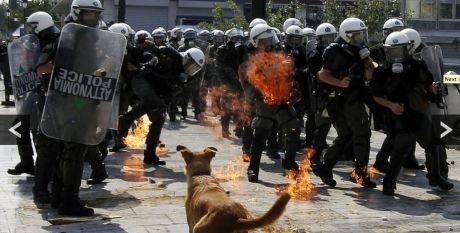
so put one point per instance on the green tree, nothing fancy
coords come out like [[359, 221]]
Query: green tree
[[277, 16], [220, 22], [373, 13], [18, 13]]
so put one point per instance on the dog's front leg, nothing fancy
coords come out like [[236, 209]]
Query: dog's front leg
[[189, 220]]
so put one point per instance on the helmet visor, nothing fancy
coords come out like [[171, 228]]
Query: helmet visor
[[325, 40], [159, 39], [218, 39], [190, 36], [30, 27], [90, 18], [191, 67], [357, 38], [388, 31], [294, 40], [236, 39], [394, 54]]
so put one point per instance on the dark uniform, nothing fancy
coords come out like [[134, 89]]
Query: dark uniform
[[231, 90], [320, 95], [284, 115], [348, 112], [401, 88], [190, 90], [154, 85], [377, 112], [5, 70]]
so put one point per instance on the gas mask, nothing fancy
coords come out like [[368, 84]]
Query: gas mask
[[396, 55], [191, 43], [294, 41]]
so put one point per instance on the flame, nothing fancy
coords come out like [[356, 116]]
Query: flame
[[300, 186], [224, 99], [161, 150], [232, 171], [137, 135], [370, 172], [270, 73]]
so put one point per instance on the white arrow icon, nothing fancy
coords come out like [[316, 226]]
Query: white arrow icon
[[13, 129], [447, 128]]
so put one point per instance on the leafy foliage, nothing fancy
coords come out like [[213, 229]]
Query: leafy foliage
[[373, 13], [220, 22], [18, 13]]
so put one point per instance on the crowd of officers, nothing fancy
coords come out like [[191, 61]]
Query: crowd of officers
[[340, 80]]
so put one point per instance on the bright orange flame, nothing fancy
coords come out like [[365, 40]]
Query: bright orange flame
[[271, 74], [359, 179], [161, 150], [137, 135], [232, 171], [300, 187]]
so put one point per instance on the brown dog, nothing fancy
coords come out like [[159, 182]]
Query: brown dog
[[209, 209]]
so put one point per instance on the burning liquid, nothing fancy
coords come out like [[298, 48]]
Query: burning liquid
[[233, 171], [270, 73], [300, 187], [137, 135]]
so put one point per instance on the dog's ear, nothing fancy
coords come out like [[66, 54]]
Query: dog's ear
[[186, 153], [210, 152], [180, 147]]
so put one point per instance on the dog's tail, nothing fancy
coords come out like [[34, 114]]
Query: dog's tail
[[268, 218]]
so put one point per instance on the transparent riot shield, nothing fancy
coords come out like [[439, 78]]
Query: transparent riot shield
[[83, 84], [23, 55]]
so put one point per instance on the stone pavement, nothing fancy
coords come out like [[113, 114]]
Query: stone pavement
[[151, 199]]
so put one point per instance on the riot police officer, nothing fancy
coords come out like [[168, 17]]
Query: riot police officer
[[227, 78], [265, 40], [320, 93], [159, 37], [176, 37], [346, 66], [42, 25], [70, 169], [378, 55], [393, 86], [210, 76], [191, 90], [156, 82]]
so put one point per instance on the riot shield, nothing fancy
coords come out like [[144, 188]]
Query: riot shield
[[430, 55], [83, 84], [23, 54]]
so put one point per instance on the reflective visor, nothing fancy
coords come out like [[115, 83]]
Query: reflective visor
[[326, 40], [357, 38], [190, 66], [396, 54], [90, 18], [294, 40]]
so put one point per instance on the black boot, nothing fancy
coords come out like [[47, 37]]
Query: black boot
[[434, 174], [411, 162], [151, 158], [361, 176], [23, 167], [71, 205], [325, 173], [98, 173], [389, 185], [253, 176]]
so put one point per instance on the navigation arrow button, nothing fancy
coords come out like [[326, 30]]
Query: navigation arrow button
[[13, 129], [447, 128]]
